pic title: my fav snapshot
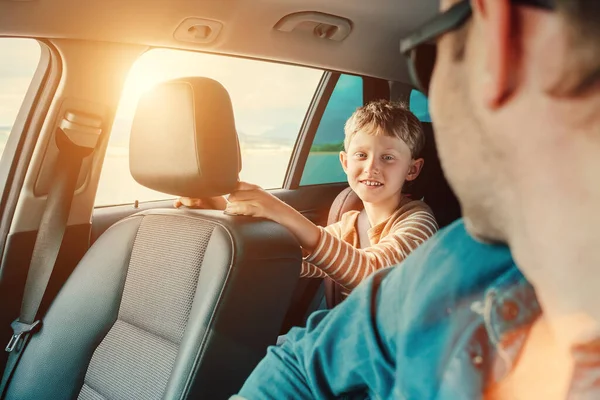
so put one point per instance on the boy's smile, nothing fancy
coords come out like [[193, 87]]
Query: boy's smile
[[372, 183]]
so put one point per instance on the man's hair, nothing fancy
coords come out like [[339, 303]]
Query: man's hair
[[582, 19], [383, 117], [582, 66]]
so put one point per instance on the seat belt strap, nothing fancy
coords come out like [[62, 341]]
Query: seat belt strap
[[47, 244], [333, 291], [76, 139], [362, 226]]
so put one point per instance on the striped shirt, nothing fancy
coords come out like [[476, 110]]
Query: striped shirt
[[337, 254]]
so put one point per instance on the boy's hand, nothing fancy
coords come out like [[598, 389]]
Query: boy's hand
[[252, 200], [208, 203]]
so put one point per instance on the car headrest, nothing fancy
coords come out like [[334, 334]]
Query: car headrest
[[183, 139], [432, 186], [346, 200]]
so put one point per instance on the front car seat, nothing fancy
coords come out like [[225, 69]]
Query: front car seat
[[168, 303]]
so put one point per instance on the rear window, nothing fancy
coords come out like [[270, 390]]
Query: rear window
[[419, 105], [323, 163], [269, 101]]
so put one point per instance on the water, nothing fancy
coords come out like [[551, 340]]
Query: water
[[322, 168]]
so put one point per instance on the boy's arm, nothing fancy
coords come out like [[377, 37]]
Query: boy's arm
[[251, 200], [348, 265], [344, 263], [312, 271]]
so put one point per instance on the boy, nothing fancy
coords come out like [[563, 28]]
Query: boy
[[381, 147]]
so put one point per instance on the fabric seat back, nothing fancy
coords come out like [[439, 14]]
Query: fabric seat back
[[168, 304]]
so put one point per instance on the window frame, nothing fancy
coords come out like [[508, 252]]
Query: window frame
[[309, 128]]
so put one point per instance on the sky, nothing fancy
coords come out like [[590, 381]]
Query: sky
[[18, 61], [269, 99]]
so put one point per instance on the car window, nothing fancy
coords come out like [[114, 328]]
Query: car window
[[323, 165], [269, 100], [19, 60], [419, 105]]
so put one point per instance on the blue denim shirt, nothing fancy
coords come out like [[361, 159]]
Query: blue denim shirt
[[447, 322]]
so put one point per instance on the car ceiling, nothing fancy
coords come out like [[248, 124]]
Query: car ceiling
[[370, 49]]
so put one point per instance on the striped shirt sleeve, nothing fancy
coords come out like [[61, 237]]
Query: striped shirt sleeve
[[348, 265], [310, 270]]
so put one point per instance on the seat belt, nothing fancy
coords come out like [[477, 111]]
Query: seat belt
[[333, 291], [363, 225], [76, 138]]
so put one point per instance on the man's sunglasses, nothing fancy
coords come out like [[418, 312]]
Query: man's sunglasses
[[419, 47]]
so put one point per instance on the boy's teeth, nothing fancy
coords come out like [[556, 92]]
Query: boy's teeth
[[370, 183]]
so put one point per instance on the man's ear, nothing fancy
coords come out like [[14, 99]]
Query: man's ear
[[344, 161], [496, 20], [415, 169]]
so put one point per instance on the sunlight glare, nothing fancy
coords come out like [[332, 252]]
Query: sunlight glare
[[141, 79], [269, 102]]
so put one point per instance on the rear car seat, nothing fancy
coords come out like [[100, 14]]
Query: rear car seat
[[169, 304], [431, 186]]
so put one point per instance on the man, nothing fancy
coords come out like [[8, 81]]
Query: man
[[515, 96]]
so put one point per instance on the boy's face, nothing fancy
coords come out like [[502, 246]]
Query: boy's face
[[378, 166]]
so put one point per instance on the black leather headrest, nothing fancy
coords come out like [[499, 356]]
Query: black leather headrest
[[183, 139], [432, 186]]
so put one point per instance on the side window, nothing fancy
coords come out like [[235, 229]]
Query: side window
[[20, 58], [419, 105], [269, 102], [323, 165]]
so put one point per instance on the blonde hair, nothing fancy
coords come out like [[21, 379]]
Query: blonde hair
[[383, 117]]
